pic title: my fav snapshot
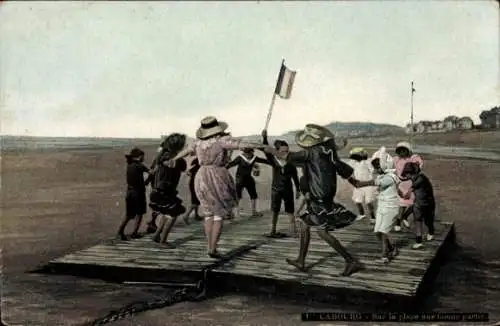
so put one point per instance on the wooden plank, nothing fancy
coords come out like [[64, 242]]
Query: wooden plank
[[401, 277], [330, 271]]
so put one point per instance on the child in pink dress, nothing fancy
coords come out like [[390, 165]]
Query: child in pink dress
[[404, 154], [214, 185]]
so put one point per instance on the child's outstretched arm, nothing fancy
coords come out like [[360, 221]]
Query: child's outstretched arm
[[360, 184], [263, 160], [233, 163], [295, 178]]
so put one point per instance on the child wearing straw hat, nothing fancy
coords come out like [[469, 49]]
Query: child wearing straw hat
[[363, 171], [321, 166], [213, 183], [135, 200]]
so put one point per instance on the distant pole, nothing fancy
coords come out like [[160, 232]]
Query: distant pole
[[273, 100], [411, 114]]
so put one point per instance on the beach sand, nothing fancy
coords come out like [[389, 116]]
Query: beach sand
[[56, 202]]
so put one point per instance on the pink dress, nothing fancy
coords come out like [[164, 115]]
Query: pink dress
[[213, 184], [405, 186]]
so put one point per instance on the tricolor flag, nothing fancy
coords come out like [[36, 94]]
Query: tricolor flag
[[285, 81]]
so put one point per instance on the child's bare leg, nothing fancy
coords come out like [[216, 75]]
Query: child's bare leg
[[418, 234], [168, 227], [352, 264], [397, 226], [385, 249], [185, 217], [392, 250], [196, 213], [381, 240], [121, 228], [215, 235], [293, 226], [159, 230], [305, 238], [253, 203], [209, 221], [237, 210], [371, 208], [361, 209], [274, 223], [138, 221]]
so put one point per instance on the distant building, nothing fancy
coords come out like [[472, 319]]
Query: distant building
[[465, 123], [450, 122], [490, 118], [423, 126], [409, 128]]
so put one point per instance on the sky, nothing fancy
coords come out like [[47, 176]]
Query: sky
[[144, 69]]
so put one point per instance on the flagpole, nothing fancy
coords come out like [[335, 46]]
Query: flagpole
[[411, 114], [273, 100]]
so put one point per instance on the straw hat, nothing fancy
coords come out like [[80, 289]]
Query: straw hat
[[357, 151], [210, 126], [404, 144], [313, 135]]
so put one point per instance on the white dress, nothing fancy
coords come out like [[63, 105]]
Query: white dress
[[363, 171], [388, 201]]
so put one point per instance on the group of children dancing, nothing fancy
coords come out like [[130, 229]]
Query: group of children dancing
[[400, 188], [396, 184]]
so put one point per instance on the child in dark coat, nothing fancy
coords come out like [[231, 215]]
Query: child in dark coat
[[282, 189], [150, 180], [135, 200], [424, 206], [164, 197], [245, 163]]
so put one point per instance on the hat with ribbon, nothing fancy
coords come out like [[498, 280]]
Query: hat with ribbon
[[209, 127]]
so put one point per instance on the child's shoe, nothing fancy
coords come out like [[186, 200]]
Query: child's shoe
[[418, 245], [360, 217]]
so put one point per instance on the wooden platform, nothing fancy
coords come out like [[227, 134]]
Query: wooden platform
[[257, 263]]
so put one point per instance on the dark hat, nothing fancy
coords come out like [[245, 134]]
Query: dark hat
[[410, 168], [135, 153]]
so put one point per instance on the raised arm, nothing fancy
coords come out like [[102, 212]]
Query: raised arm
[[229, 143], [263, 160], [189, 150], [295, 178], [302, 203]]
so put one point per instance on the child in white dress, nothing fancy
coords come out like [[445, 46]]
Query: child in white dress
[[363, 171], [388, 202]]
